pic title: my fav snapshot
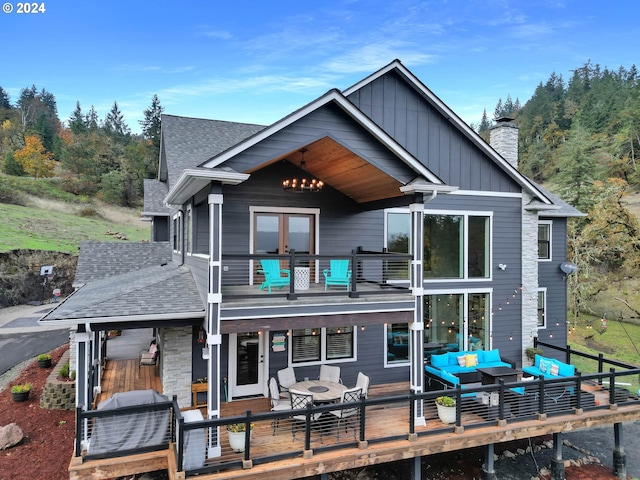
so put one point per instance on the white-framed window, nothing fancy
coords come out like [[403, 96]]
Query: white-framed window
[[319, 345], [544, 240], [177, 233], [542, 308], [457, 245], [188, 230], [397, 344]]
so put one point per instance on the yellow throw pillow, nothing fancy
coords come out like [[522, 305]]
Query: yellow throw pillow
[[471, 360]]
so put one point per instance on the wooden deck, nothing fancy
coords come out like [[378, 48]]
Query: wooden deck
[[126, 375], [383, 421]]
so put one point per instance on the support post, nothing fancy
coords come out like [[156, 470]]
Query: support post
[[619, 456], [488, 469], [416, 327], [557, 463], [416, 469]]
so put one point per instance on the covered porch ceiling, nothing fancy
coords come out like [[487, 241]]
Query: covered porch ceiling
[[343, 170]]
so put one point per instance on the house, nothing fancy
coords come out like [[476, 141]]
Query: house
[[447, 245]]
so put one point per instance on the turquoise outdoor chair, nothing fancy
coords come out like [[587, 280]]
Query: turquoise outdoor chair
[[338, 274], [273, 275]]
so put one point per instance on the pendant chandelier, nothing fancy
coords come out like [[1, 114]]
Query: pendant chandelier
[[304, 184]]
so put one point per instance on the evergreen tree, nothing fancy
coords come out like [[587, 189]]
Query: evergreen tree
[[4, 99], [77, 121], [484, 122], [497, 112], [151, 124], [92, 121], [115, 125]]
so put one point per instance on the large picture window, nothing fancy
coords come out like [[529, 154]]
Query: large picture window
[[322, 344], [397, 240], [457, 246]]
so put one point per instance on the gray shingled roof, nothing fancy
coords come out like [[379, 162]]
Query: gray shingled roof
[[151, 291], [99, 260], [154, 193], [564, 210], [188, 142]]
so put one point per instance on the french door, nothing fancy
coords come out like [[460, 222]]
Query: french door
[[281, 232], [246, 364]]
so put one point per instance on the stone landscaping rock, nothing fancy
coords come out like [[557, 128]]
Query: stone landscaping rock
[[10, 435]]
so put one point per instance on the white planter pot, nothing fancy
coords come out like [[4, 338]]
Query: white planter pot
[[236, 440], [446, 414]]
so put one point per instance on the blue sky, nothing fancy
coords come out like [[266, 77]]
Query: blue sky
[[256, 61]]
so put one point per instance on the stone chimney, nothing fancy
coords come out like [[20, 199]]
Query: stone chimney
[[503, 137]]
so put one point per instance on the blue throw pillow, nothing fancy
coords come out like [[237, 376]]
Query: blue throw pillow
[[491, 356], [440, 360], [566, 370]]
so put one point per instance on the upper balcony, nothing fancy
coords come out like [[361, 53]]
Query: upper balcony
[[355, 280]]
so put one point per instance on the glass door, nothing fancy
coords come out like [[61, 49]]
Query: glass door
[[246, 364], [279, 233]]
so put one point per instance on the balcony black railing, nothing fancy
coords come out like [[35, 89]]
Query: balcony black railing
[[304, 275]]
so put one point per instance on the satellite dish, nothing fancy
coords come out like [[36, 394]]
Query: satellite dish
[[568, 268]]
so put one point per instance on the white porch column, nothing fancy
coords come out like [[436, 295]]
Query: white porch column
[[417, 325], [82, 341], [214, 337]]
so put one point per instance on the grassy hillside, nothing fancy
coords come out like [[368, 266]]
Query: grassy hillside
[[40, 215]]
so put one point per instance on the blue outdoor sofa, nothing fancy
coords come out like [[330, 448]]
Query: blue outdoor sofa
[[549, 368], [448, 369]]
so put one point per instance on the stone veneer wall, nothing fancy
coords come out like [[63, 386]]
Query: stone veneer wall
[[175, 363], [57, 394], [529, 275]]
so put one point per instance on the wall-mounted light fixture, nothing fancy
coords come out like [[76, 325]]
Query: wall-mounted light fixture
[[502, 266]]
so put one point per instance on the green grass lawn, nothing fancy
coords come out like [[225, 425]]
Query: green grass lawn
[[33, 228]]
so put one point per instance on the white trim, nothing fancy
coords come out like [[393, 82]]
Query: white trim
[[348, 108], [480, 193], [293, 315], [192, 180], [550, 223], [130, 318]]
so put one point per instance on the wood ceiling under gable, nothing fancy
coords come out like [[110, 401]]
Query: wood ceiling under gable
[[345, 171]]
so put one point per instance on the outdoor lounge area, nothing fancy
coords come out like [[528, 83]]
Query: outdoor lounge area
[[382, 423]]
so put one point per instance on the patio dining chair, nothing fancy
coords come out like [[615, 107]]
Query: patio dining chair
[[300, 401], [330, 373], [348, 415], [338, 274], [273, 274], [277, 403], [363, 382], [286, 378]]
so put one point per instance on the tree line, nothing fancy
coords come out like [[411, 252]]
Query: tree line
[[93, 156], [581, 139]]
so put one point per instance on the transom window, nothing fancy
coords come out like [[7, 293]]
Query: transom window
[[322, 344]]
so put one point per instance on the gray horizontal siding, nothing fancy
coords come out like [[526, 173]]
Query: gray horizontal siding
[[551, 277], [405, 115]]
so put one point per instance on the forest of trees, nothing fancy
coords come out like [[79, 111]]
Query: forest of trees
[[579, 138], [93, 156]]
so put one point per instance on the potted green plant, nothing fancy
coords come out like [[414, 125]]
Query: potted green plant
[[446, 409], [237, 433], [20, 393], [44, 360]]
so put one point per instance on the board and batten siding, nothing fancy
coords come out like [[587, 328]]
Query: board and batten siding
[[416, 125], [327, 121]]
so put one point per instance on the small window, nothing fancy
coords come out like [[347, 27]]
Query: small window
[[542, 307], [397, 343], [177, 234], [544, 241], [188, 231]]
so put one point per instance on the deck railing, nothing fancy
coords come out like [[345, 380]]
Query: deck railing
[[392, 418], [372, 273]]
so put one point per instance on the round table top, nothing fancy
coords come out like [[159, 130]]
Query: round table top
[[322, 391]]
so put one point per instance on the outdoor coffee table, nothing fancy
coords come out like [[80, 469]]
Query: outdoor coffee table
[[491, 375]]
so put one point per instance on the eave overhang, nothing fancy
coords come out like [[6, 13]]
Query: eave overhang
[[193, 180]]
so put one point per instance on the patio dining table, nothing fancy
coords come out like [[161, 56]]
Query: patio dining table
[[322, 390]]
